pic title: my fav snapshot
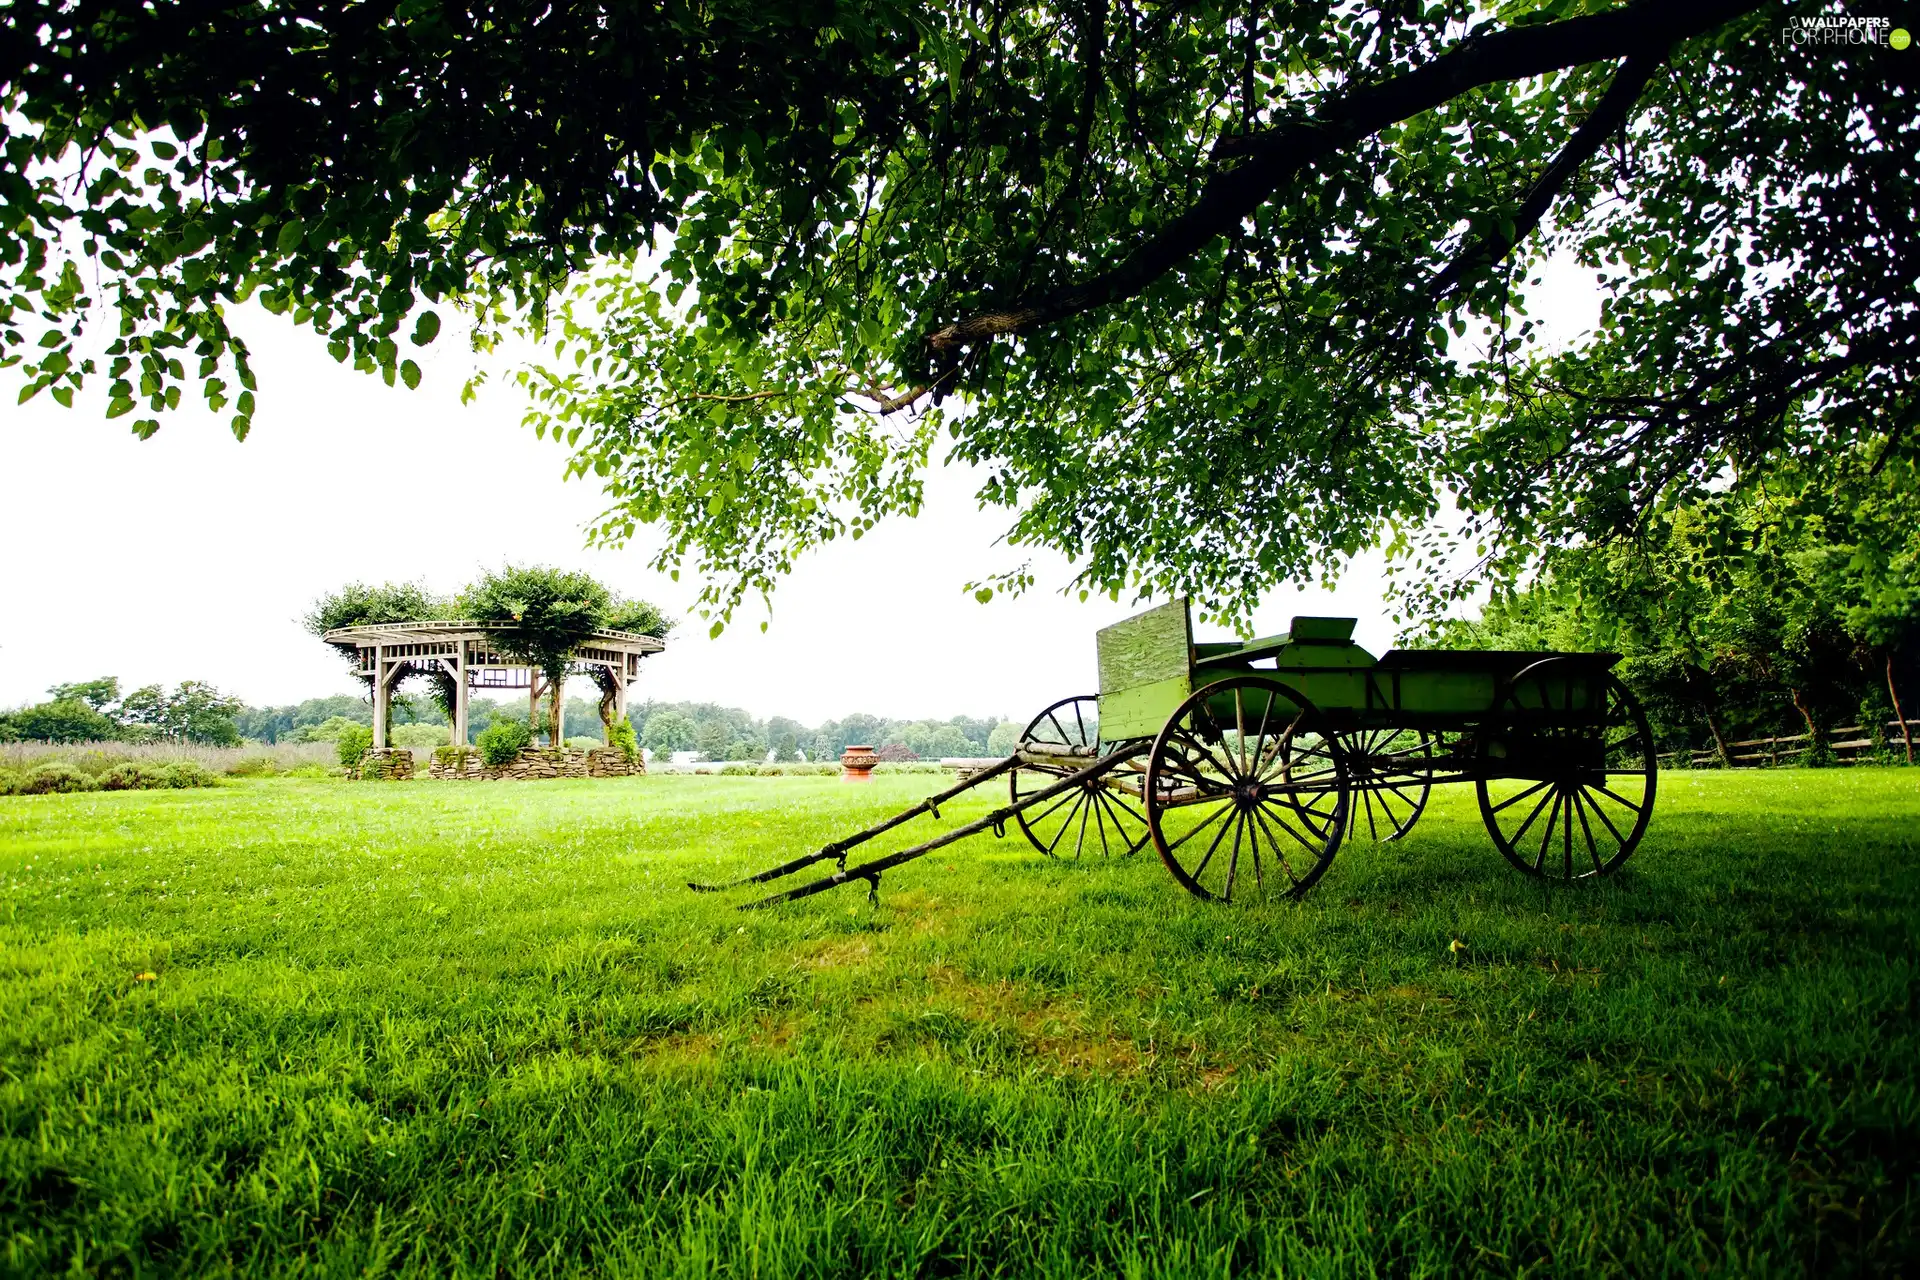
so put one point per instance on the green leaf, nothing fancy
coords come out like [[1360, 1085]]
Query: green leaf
[[410, 374], [426, 328]]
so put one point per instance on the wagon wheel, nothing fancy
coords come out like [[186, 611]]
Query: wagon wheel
[[1393, 772], [1571, 746], [1106, 813], [1246, 793]]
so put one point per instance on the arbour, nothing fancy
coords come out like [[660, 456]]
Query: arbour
[[518, 627], [478, 655]]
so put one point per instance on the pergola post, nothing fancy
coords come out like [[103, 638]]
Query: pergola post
[[380, 696], [620, 692], [460, 697]]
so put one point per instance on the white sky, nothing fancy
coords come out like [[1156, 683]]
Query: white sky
[[191, 555]]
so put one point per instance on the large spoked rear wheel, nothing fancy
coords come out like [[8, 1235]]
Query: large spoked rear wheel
[[1247, 792], [1392, 776], [1568, 771], [1106, 814]]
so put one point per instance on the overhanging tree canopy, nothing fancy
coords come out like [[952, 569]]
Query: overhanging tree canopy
[[1232, 289]]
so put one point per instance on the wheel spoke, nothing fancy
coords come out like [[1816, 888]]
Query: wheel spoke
[[1515, 799], [1380, 794], [1240, 729], [1233, 861], [1579, 806], [1062, 739], [1515, 840], [1618, 799], [1120, 829], [1279, 851], [1064, 826], [1601, 814], [1217, 837], [1051, 809], [1114, 799], [1546, 836], [1366, 799], [1566, 836], [1202, 826], [1280, 757], [1315, 848], [1081, 722]]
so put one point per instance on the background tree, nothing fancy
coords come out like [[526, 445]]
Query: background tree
[[194, 712], [1786, 608], [98, 694], [666, 732], [551, 612], [61, 720]]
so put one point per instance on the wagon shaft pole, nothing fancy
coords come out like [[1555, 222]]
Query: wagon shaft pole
[[838, 849], [997, 820]]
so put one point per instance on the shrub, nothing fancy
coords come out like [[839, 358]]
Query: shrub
[[738, 769], [253, 767], [502, 741], [353, 742], [187, 773], [127, 777], [627, 740], [52, 778], [9, 779]]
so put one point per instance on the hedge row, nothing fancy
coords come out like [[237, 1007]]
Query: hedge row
[[57, 777]]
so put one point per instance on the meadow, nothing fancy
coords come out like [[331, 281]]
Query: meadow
[[304, 1026]]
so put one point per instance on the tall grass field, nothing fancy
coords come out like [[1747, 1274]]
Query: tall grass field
[[311, 1027]]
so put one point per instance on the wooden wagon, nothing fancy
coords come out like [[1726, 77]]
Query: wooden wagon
[[1247, 764]]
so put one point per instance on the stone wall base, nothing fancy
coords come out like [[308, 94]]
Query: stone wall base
[[535, 763], [385, 764]]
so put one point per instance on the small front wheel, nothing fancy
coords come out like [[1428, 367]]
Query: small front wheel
[[1104, 814], [1247, 791]]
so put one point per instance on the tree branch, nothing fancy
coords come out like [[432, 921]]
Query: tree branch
[[1608, 115], [1276, 156]]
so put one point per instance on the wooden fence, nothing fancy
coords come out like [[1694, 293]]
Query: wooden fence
[[1849, 744]]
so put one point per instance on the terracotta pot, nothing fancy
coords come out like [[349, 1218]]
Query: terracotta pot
[[856, 764]]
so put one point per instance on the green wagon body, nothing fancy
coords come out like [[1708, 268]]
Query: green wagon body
[[1150, 663]]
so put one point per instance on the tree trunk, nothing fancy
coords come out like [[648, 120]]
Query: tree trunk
[[554, 721], [1816, 741], [1906, 732], [1708, 698], [606, 715], [533, 705], [1719, 738]]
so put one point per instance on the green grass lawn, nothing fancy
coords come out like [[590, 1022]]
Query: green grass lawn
[[483, 1028]]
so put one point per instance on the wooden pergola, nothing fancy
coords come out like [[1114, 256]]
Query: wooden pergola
[[390, 651]]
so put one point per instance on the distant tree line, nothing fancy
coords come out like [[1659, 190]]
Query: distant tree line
[[195, 711], [728, 733], [1787, 610], [95, 711]]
